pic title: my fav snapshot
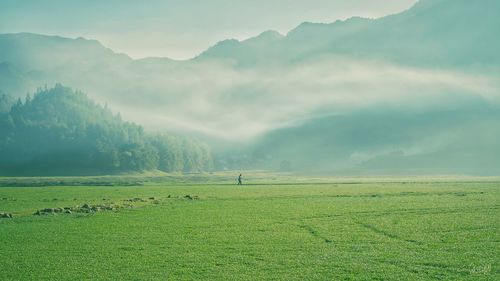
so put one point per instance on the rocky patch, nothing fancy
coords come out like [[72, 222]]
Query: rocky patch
[[85, 208], [107, 206]]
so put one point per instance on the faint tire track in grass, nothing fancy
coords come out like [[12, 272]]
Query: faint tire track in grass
[[313, 232], [388, 234]]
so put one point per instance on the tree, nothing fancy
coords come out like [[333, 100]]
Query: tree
[[62, 132]]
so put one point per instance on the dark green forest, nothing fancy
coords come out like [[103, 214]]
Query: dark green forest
[[59, 131]]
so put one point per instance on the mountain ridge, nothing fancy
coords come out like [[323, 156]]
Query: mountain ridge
[[342, 38]]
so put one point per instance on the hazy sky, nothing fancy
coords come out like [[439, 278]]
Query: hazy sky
[[177, 28]]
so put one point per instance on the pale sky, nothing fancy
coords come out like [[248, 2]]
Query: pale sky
[[178, 29]]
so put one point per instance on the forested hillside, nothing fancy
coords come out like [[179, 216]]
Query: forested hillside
[[59, 131]]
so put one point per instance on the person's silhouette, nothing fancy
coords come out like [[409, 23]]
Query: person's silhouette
[[239, 180]]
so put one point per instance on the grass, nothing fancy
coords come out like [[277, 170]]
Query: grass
[[345, 230]]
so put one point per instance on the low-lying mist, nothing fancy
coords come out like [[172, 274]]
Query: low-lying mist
[[223, 101], [327, 113]]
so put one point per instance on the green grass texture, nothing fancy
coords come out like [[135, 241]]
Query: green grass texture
[[303, 230]]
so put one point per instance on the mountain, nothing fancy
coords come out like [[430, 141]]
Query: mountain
[[433, 32], [62, 132], [34, 52], [453, 141], [248, 52]]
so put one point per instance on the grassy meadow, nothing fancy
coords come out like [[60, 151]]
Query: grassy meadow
[[275, 228]]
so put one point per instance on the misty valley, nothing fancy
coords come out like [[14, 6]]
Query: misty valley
[[395, 95], [250, 140]]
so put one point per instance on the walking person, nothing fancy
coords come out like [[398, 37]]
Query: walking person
[[239, 180]]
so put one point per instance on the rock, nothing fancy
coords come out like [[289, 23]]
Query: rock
[[5, 215], [137, 199], [48, 210]]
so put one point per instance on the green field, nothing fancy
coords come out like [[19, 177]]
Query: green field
[[282, 230]]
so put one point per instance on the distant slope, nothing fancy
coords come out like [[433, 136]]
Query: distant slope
[[433, 32], [260, 49], [33, 52], [13, 81], [455, 141]]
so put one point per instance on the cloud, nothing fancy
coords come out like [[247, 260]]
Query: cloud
[[223, 101]]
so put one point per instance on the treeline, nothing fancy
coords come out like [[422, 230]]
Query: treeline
[[5, 103], [59, 131]]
